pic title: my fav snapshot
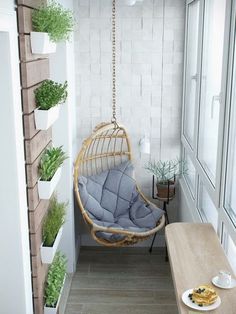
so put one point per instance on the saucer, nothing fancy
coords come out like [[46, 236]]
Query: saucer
[[217, 284]]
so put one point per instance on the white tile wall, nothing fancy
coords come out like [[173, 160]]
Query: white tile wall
[[150, 41]]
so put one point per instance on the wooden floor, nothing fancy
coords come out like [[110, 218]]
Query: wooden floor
[[123, 280]]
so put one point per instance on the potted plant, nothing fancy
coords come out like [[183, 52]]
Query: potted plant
[[54, 284], [166, 173], [48, 96], [50, 171], [52, 230], [51, 23]]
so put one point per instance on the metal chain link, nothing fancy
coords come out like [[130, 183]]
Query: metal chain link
[[113, 120]]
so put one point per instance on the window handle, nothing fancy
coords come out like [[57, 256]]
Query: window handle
[[194, 77], [213, 101]]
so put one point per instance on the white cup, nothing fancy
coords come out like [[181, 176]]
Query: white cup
[[224, 278]]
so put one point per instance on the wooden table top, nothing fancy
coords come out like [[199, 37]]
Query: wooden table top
[[196, 256]]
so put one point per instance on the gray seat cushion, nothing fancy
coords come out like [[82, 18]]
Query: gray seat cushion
[[111, 200]]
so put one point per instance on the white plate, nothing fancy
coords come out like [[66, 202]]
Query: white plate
[[194, 306], [217, 284]]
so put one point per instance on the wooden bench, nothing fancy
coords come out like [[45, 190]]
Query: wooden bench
[[196, 256]]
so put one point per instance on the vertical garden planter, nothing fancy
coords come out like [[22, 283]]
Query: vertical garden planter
[[45, 118], [41, 43], [46, 188], [53, 310], [48, 252]]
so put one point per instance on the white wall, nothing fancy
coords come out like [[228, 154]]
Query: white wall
[[64, 133], [15, 269], [150, 43]]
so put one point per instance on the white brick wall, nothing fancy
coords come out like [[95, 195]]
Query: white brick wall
[[150, 41]]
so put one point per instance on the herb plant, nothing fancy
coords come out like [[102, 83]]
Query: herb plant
[[53, 221], [166, 171], [50, 161], [53, 19], [56, 275], [50, 94]]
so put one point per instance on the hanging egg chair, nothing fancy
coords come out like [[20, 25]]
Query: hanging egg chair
[[112, 205]]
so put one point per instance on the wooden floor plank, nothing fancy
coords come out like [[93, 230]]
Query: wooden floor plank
[[123, 281]]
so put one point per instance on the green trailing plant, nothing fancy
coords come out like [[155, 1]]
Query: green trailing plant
[[50, 94], [54, 19], [55, 278], [53, 221], [165, 171], [51, 160]]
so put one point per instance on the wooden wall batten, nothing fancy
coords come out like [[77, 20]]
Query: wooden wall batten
[[34, 70]]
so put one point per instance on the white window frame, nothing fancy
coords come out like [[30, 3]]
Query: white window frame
[[214, 191], [226, 227]]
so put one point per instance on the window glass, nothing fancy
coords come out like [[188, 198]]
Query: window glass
[[207, 208], [191, 74], [231, 253], [230, 195], [211, 97], [190, 175]]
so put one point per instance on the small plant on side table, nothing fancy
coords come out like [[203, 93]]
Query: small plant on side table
[[52, 229], [166, 173], [48, 96], [54, 283], [50, 170], [52, 23]]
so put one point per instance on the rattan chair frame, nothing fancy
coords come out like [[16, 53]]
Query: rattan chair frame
[[109, 142]]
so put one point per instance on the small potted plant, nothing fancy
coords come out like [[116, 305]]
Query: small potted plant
[[51, 23], [166, 173], [48, 96], [52, 229], [54, 284], [50, 171]]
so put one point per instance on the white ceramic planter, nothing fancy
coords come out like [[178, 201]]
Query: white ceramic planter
[[48, 252], [53, 310], [46, 188], [45, 118], [41, 43]]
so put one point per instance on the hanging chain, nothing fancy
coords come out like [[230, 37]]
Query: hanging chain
[[113, 120]]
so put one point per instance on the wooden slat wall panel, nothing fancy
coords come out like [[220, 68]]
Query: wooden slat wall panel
[[28, 99], [25, 18], [36, 216], [38, 308], [35, 146], [31, 3], [34, 69], [33, 197], [34, 72], [29, 126], [25, 50], [36, 240]]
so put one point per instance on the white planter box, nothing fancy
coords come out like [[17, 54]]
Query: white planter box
[[46, 188], [53, 310], [45, 118], [41, 43], [48, 252]]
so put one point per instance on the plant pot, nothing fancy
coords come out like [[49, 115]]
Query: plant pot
[[48, 252], [41, 43], [162, 190], [53, 310], [46, 188], [45, 118]]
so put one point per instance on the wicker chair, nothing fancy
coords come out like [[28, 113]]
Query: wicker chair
[[107, 147]]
